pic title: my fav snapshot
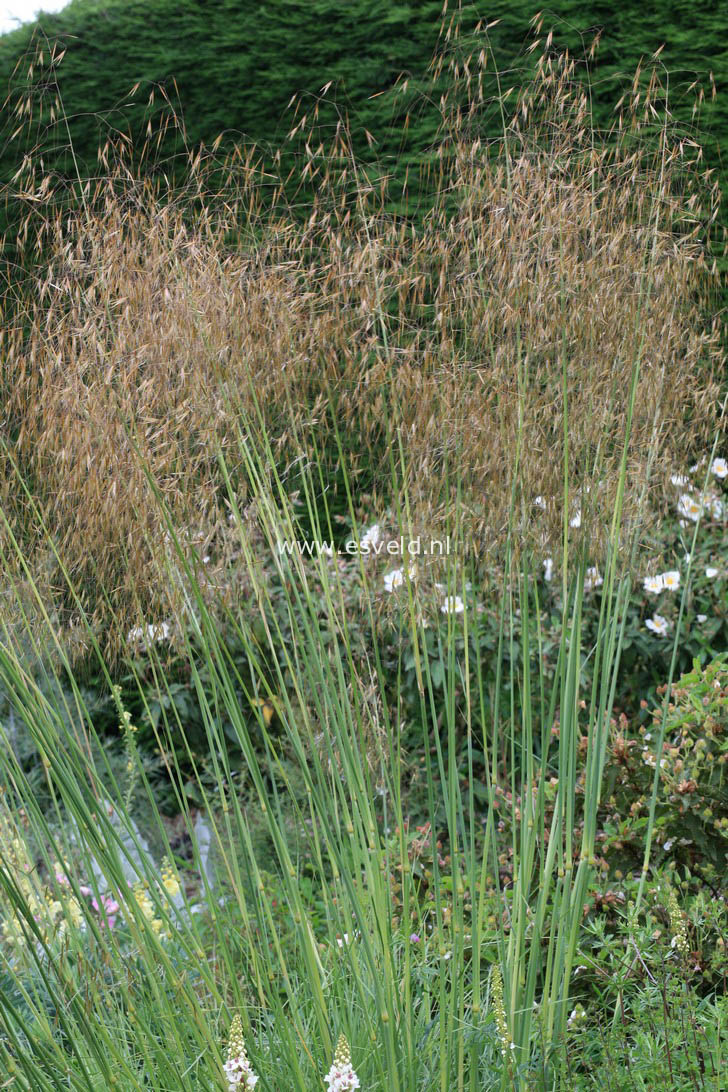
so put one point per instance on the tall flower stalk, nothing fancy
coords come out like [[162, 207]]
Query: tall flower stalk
[[238, 1070], [341, 1077]]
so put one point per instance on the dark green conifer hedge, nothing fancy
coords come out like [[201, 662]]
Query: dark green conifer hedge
[[232, 66]]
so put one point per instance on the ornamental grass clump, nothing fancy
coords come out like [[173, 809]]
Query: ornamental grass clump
[[396, 836], [552, 293], [450, 953]]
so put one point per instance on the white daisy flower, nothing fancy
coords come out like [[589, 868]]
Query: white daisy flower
[[155, 631], [548, 568], [653, 584], [658, 625], [720, 468], [716, 507], [395, 579], [689, 508], [710, 572], [453, 605], [592, 579], [679, 480], [702, 618], [370, 538], [670, 580]]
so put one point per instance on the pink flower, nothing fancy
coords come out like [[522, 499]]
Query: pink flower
[[108, 910]]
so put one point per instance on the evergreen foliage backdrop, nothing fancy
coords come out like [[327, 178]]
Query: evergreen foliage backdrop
[[237, 63]]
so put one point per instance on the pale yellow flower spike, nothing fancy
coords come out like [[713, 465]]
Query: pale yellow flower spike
[[501, 1021], [677, 925], [342, 1054], [236, 1042], [169, 879]]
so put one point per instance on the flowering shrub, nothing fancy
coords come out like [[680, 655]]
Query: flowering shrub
[[651, 968], [692, 813], [691, 817], [439, 609]]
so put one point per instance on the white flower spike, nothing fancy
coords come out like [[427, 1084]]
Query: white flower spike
[[238, 1070], [341, 1077]]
